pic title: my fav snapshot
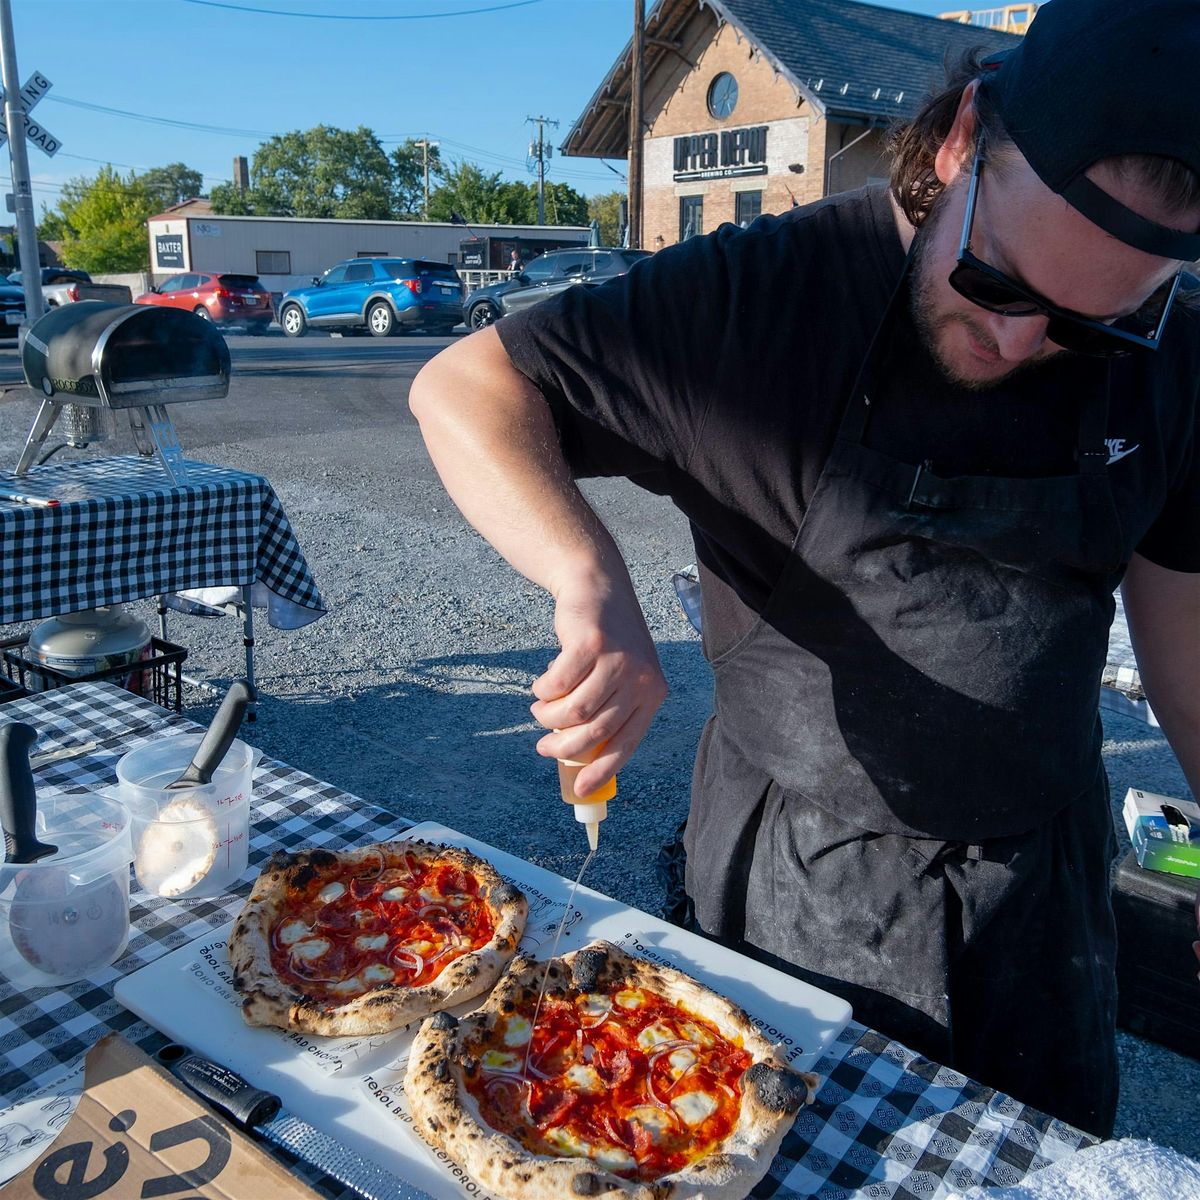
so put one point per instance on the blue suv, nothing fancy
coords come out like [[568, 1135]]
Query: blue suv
[[384, 295]]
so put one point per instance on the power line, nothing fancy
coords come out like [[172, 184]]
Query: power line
[[278, 12], [132, 116]]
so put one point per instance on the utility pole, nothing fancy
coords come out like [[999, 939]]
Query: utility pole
[[541, 151], [635, 125], [14, 118], [426, 145]]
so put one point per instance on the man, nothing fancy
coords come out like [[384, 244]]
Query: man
[[920, 438]]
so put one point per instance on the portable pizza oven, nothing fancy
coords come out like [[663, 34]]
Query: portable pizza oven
[[89, 359]]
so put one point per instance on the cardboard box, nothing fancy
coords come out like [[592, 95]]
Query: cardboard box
[[137, 1132], [1165, 832]]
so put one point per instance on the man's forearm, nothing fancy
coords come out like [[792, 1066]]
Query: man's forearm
[[492, 439]]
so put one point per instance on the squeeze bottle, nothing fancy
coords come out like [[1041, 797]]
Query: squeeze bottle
[[592, 808]]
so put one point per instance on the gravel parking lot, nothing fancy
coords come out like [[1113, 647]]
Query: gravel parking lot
[[413, 691]]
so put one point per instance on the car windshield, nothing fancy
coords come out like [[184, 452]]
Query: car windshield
[[437, 270], [239, 281]]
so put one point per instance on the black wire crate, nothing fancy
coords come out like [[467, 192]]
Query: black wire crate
[[158, 677]]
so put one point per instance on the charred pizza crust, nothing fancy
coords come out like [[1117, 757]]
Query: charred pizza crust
[[269, 999], [447, 1116]]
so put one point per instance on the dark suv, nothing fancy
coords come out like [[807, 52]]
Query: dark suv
[[385, 295], [546, 276]]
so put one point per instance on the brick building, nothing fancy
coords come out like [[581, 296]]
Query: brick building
[[750, 106]]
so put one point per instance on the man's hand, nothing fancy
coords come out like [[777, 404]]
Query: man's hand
[[606, 684]]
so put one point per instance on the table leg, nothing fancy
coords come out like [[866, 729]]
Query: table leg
[[248, 642]]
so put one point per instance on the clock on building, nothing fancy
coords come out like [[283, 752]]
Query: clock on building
[[722, 95]]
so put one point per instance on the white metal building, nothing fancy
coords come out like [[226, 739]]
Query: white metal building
[[286, 252]]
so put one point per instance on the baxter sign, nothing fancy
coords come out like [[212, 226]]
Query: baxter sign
[[168, 249], [723, 155]]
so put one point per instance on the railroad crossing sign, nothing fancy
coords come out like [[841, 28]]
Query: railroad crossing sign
[[36, 86]]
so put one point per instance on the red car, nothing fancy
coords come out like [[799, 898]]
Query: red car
[[227, 299]]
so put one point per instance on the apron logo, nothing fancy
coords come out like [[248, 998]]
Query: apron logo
[[1116, 449]]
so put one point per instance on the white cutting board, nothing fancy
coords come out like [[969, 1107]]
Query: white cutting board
[[352, 1087]]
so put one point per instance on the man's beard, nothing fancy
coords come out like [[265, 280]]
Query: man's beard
[[932, 325]]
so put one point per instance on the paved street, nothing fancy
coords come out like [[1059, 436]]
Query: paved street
[[413, 691]]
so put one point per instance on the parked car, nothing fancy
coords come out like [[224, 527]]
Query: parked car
[[546, 276], [12, 309], [227, 298], [56, 275], [383, 295]]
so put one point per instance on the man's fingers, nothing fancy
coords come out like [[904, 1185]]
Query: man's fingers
[[565, 673], [582, 706], [616, 753]]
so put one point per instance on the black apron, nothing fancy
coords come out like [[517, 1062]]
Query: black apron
[[900, 795]]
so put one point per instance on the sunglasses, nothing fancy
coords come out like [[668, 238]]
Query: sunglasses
[[989, 288]]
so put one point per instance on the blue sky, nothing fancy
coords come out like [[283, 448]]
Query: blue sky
[[466, 81]]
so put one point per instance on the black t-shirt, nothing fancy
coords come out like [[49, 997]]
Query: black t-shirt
[[717, 372]]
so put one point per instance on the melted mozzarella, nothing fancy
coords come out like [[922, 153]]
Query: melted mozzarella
[[331, 891], [629, 998], [498, 1060], [653, 1120], [370, 941], [378, 973], [680, 1060], [310, 949], [517, 1031], [613, 1158], [584, 1079], [567, 1142], [594, 1005], [396, 893], [698, 1034], [430, 895], [653, 1034], [694, 1107], [354, 986], [419, 947], [292, 931]]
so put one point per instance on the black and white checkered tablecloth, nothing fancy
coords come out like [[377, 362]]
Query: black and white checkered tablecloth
[[122, 531], [887, 1124]]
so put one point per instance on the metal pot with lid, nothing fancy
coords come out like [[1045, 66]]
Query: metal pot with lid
[[83, 643]]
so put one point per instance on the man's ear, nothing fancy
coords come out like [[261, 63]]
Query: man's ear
[[956, 151]]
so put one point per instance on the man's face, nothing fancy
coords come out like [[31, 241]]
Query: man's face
[[1033, 236]]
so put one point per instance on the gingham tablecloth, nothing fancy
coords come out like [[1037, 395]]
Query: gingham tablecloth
[[887, 1124], [122, 531]]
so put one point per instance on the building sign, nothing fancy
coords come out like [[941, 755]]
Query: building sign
[[168, 249], [723, 155]]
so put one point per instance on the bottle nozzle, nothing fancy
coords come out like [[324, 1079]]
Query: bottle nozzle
[[591, 815]]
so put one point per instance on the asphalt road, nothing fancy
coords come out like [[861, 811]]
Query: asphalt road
[[413, 691]]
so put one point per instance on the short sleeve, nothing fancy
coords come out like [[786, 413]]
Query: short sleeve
[[627, 367], [1173, 541]]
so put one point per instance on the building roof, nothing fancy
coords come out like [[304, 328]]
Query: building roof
[[853, 62], [197, 206]]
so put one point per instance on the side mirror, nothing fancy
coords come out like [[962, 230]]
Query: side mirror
[[316, 281]]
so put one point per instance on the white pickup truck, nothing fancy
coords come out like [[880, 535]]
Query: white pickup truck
[[65, 285]]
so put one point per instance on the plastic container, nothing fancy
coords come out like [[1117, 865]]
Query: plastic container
[[192, 842], [65, 917]]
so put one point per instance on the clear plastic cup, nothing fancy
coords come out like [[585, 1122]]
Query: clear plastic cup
[[66, 916], [192, 842]]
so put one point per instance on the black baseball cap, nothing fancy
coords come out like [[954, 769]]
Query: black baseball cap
[[1096, 78]]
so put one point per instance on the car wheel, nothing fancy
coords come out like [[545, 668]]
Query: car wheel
[[482, 315], [381, 321], [202, 312], [293, 321]]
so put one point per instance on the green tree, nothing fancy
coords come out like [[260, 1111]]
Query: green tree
[[319, 172], [101, 221], [172, 184], [606, 209], [232, 201], [478, 197]]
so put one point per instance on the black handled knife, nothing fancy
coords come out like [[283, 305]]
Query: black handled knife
[[255, 1111]]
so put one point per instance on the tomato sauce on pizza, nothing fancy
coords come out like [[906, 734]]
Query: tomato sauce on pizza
[[627, 1079], [342, 934]]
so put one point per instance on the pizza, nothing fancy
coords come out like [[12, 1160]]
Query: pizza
[[635, 1081], [361, 941]]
